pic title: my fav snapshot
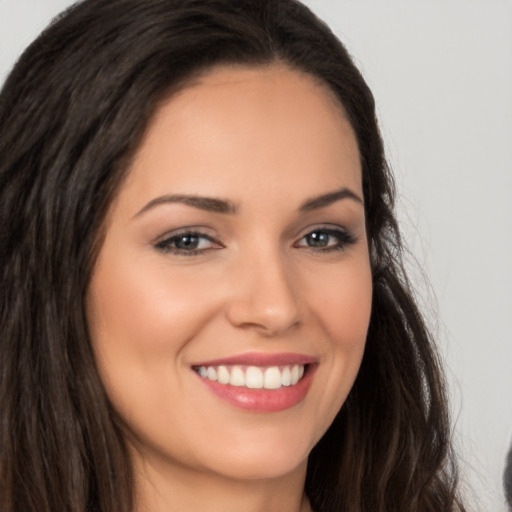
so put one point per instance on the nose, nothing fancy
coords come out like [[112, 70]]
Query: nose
[[264, 296]]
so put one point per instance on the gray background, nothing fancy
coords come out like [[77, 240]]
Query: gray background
[[441, 72]]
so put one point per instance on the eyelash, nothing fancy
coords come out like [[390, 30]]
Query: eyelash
[[344, 238], [169, 245], [166, 245]]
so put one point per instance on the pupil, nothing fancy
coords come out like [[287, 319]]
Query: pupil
[[318, 239], [187, 242]]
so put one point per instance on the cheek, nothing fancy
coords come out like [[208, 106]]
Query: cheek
[[141, 307], [343, 311], [142, 315], [346, 306]]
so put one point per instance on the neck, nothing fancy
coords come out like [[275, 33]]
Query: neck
[[161, 489]]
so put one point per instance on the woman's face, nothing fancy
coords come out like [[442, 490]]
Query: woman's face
[[230, 301]]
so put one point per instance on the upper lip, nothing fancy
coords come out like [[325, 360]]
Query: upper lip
[[260, 359]]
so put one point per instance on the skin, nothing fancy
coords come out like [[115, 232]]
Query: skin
[[267, 140]]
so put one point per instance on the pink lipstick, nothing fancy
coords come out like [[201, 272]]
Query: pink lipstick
[[259, 382]]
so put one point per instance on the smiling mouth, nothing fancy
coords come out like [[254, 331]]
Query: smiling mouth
[[259, 382], [254, 377]]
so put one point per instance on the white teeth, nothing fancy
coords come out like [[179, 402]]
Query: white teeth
[[272, 378], [237, 376], [253, 377], [286, 376], [294, 374], [223, 375]]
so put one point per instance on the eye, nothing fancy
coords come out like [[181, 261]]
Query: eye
[[187, 243], [327, 239]]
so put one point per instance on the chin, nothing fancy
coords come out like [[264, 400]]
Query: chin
[[263, 468], [261, 459]]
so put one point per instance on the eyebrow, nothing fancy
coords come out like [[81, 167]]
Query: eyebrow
[[215, 205], [327, 199], [210, 204]]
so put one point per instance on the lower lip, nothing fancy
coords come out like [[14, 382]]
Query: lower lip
[[262, 400]]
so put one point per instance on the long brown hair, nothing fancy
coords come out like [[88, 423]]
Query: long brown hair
[[72, 113]]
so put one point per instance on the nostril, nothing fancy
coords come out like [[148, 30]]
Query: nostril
[[264, 314]]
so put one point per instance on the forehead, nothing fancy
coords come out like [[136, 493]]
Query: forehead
[[239, 126]]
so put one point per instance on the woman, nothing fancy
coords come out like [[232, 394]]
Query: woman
[[203, 302]]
